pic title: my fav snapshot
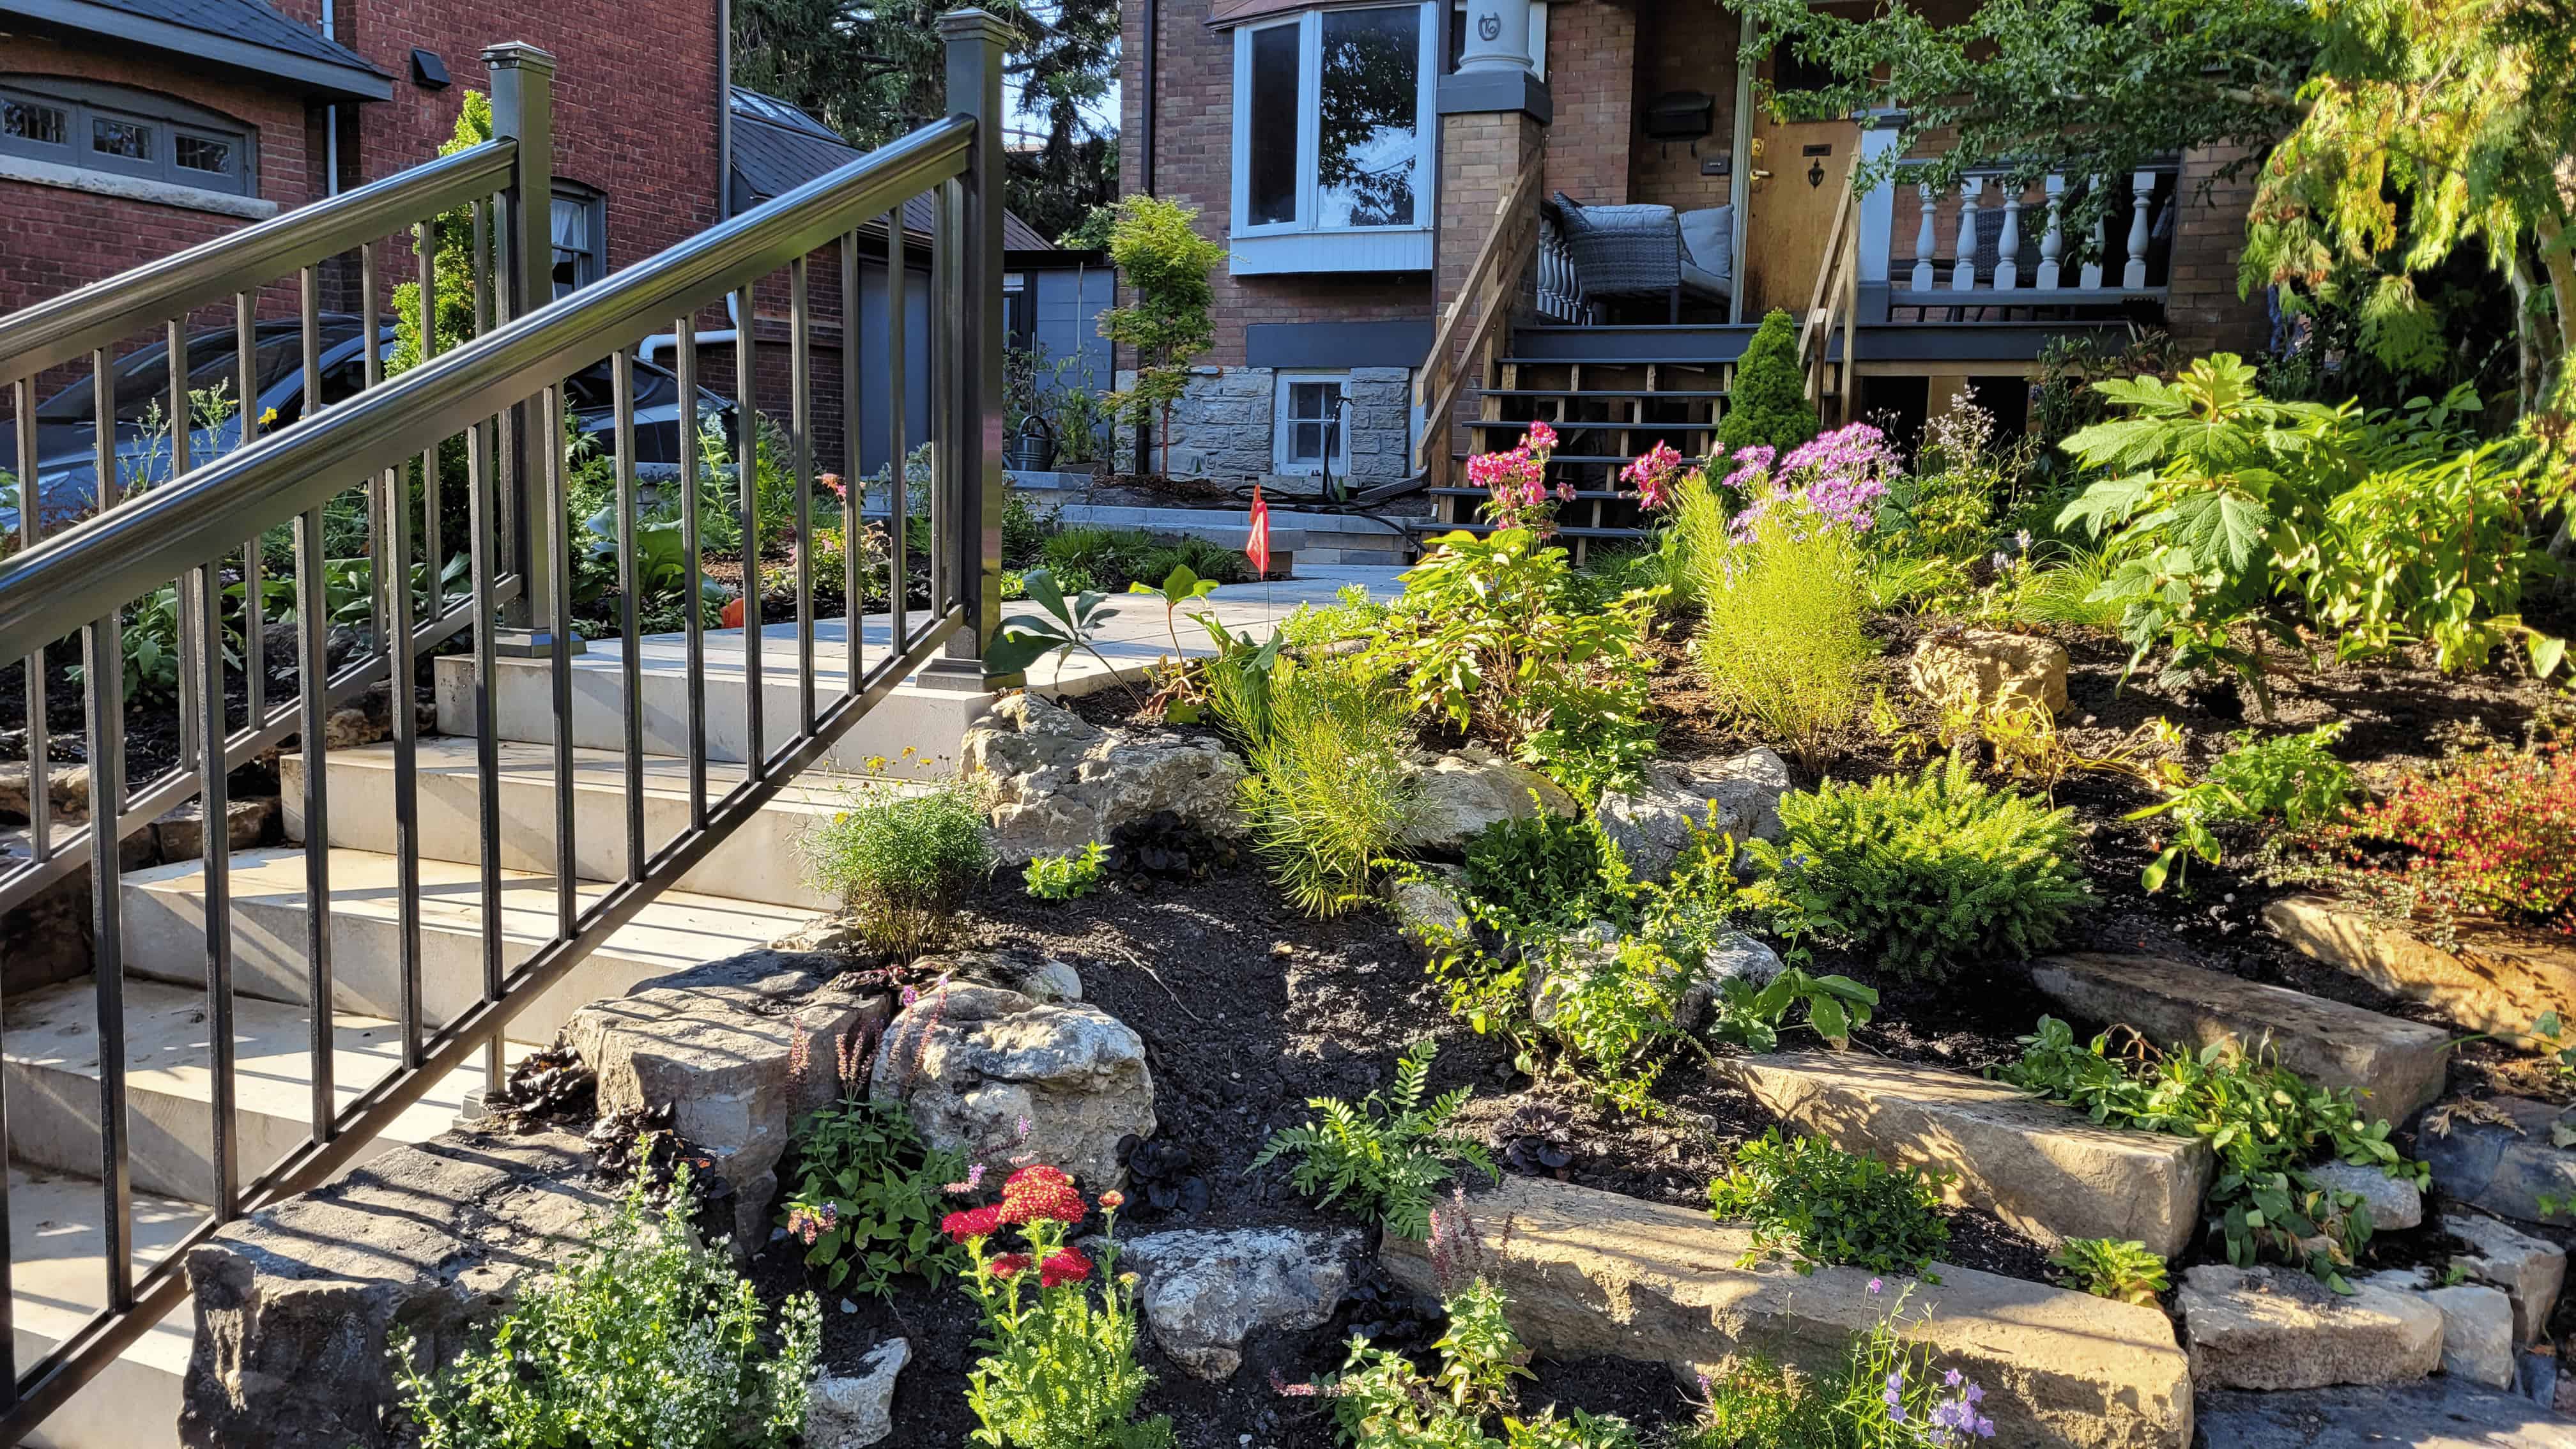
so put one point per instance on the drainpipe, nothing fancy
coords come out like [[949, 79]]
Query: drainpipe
[[724, 109], [330, 119]]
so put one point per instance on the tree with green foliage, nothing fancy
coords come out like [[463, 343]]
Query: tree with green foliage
[[1165, 267], [454, 304], [1768, 405]]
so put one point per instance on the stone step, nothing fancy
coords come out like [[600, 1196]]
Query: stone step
[[1592, 1274], [165, 934], [52, 1063], [2397, 1065], [760, 861], [58, 1279], [2436, 1413], [2042, 1168], [2493, 979]]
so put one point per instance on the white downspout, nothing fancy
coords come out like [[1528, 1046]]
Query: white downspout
[[330, 119]]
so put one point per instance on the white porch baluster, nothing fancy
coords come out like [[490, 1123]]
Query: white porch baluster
[[2008, 249], [2142, 188], [2092, 273], [1923, 268], [2052, 242], [1963, 276]]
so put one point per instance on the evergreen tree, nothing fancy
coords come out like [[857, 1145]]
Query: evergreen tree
[[1768, 405]]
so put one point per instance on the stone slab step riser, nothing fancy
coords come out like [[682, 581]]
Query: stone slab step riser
[[132, 1404], [760, 861], [924, 721], [164, 917]]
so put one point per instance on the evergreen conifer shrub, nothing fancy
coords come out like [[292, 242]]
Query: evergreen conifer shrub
[[1768, 407]]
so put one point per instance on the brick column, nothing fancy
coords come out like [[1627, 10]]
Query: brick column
[[1492, 124]]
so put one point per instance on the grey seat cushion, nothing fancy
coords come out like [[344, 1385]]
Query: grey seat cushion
[[1701, 282], [1708, 241]]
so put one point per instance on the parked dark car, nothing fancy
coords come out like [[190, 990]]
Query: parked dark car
[[66, 426]]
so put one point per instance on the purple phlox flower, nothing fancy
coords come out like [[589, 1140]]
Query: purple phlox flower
[[1877, 1285], [911, 994], [1021, 1133]]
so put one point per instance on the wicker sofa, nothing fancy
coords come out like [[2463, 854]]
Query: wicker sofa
[[1645, 250]]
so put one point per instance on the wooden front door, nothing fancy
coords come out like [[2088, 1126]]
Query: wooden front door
[[1796, 177]]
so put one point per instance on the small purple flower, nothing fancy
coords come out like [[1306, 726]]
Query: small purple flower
[[1976, 1395], [1877, 1285], [1896, 1381], [1952, 1378]]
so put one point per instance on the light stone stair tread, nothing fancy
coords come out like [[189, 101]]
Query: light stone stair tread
[[58, 1271], [532, 763], [2047, 1170]]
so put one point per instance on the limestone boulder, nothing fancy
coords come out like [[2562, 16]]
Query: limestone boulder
[[975, 1062], [68, 795], [2528, 1270], [1205, 1293], [2435, 1413], [2394, 1202], [1470, 788], [741, 1050], [852, 1411], [297, 1306], [1055, 782], [1977, 669], [2491, 978], [1654, 823], [181, 834], [2277, 1328], [2477, 1324], [1428, 911]]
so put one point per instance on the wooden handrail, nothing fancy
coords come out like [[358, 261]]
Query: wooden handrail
[[1835, 299], [1484, 295]]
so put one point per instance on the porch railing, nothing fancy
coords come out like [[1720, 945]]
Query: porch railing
[[1472, 328], [491, 410], [1833, 307]]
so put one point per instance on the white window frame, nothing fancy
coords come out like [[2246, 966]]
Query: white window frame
[[1280, 462], [1426, 125]]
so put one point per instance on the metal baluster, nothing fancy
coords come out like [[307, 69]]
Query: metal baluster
[[214, 868], [402, 670], [176, 400], [898, 504], [254, 601], [481, 546], [693, 580], [943, 423], [1923, 242], [746, 471], [40, 748], [425, 237], [800, 386], [313, 667], [853, 538], [621, 374], [103, 684], [2052, 242], [559, 574], [1963, 274]]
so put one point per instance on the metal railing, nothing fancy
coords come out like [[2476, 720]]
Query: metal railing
[[496, 405]]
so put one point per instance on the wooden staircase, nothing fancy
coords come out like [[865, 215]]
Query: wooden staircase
[[1605, 414]]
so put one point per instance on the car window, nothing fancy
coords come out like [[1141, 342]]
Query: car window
[[142, 380]]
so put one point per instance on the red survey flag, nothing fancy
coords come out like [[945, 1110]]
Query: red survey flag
[[1257, 547]]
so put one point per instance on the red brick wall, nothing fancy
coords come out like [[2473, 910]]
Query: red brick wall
[[1591, 80], [1684, 48], [2204, 312]]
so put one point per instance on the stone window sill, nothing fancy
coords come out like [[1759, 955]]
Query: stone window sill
[[134, 188]]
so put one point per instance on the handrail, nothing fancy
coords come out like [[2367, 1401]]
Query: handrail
[[64, 582], [1501, 256], [1834, 301], [70, 326]]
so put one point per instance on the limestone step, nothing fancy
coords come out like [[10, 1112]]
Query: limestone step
[[52, 1062], [1592, 1274], [2044, 1169], [2440, 1412], [58, 1279], [165, 934], [2492, 978], [759, 861], [2398, 1065]]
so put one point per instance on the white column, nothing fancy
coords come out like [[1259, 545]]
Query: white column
[[2092, 272], [1923, 244], [2008, 246], [2142, 189], [1874, 211], [1498, 36], [1963, 276], [2052, 242]]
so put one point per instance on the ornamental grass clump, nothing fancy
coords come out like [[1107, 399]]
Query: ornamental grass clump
[[1783, 648], [1928, 873], [1329, 792], [903, 859], [1059, 1365]]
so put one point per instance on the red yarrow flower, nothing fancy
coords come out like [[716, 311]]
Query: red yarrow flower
[[1041, 1192], [1009, 1265], [1063, 1266], [1113, 1200], [971, 1224]]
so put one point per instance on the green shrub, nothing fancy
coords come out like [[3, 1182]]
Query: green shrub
[[1381, 1400], [1767, 407], [2124, 1272], [868, 1199], [1750, 1016], [903, 861], [1329, 794], [1388, 1154], [1929, 872], [1109, 557], [1886, 1394], [1699, 544], [1351, 615], [2294, 779], [647, 1337], [1066, 877], [1782, 646], [1207, 559], [1546, 870], [1817, 1205]]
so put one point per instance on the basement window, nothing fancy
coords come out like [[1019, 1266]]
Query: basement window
[[1310, 427], [119, 131]]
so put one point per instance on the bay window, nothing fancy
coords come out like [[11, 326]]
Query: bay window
[[1335, 140]]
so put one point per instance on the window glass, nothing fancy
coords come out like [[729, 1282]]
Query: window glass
[[1312, 425], [580, 254], [28, 121], [203, 153], [1366, 146], [1273, 168], [101, 127], [125, 140]]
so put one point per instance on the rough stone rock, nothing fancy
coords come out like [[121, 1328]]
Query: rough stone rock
[[2042, 1168], [350, 728], [2477, 1324], [1040, 980], [70, 794], [1653, 823], [1731, 957], [295, 1304], [2394, 1202], [1056, 782], [1204, 1293], [2503, 1169], [1427, 912], [1977, 668], [855, 1410], [2530, 1270], [279, 645], [1592, 1274], [2397, 1064], [2276, 1328], [2438, 1413], [741, 1049], [974, 1061], [181, 834], [2497, 979], [1462, 792]]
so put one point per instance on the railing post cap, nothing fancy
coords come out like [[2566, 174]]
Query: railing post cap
[[521, 54], [973, 24]]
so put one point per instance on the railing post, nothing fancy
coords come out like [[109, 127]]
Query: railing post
[[523, 89], [2052, 242], [2142, 197], [976, 41], [1963, 275]]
